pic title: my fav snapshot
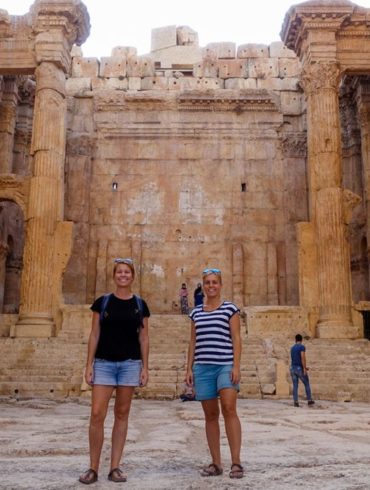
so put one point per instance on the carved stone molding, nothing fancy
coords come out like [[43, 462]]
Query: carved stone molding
[[320, 76], [350, 201], [188, 101], [294, 145], [15, 188]]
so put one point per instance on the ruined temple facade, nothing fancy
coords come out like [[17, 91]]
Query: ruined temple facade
[[252, 158]]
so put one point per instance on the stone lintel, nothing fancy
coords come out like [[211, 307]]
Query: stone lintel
[[17, 57]]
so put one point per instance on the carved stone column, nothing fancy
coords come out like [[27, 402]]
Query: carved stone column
[[320, 82], [7, 124], [48, 238], [363, 107]]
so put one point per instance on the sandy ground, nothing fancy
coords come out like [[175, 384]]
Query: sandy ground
[[43, 445]]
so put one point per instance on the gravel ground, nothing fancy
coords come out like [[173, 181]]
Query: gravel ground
[[43, 445]]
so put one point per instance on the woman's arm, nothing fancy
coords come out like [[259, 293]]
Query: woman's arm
[[191, 350], [91, 347], [144, 349], [237, 347]]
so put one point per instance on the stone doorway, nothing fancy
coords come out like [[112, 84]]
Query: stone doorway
[[11, 255]]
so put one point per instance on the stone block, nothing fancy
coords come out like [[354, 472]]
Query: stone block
[[154, 83], [134, 83], [279, 50], [253, 51], [278, 84], [222, 50], [263, 68], [189, 83], [233, 69], [250, 83], [76, 86], [174, 83], [123, 51], [113, 67], [109, 83], [210, 83], [163, 37], [140, 66], [208, 67], [85, 67], [268, 389], [289, 67], [291, 103], [234, 83]]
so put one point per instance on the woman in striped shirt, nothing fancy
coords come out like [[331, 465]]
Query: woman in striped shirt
[[214, 369]]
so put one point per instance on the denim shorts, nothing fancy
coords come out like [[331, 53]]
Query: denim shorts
[[209, 379], [121, 373]]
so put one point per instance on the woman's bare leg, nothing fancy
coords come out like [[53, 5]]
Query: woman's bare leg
[[100, 400], [228, 398], [212, 412], [121, 413]]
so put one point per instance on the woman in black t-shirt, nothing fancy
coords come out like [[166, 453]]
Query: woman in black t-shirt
[[118, 351]]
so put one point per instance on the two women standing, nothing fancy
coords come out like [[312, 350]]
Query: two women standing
[[117, 359]]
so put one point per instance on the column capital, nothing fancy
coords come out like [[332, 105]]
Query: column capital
[[320, 76], [58, 24]]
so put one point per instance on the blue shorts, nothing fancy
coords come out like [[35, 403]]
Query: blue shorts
[[209, 379], [121, 373]]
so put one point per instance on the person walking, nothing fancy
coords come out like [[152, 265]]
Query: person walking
[[213, 368], [117, 359], [299, 370]]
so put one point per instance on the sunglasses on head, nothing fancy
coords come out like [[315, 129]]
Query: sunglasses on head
[[124, 261], [211, 271]]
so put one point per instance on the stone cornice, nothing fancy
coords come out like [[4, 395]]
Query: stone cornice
[[210, 101], [313, 15]]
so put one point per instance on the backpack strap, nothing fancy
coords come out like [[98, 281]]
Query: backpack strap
[[106, 298], [140, 306]]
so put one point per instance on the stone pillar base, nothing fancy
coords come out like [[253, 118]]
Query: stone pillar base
[[337, 332], [36, 326]]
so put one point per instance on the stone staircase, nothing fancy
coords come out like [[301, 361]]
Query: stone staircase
[[54, 367], [339, 369]]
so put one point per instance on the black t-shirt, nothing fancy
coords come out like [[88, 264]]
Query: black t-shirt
[[119, 330]]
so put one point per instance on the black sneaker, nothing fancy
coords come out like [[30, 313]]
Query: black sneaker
[[310, 402], [296, 404]]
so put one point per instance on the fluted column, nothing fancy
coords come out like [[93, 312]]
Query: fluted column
[[45, 201], [320, 82], [7, 124], [58, 24]]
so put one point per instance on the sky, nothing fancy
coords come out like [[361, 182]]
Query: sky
[[129, 22]]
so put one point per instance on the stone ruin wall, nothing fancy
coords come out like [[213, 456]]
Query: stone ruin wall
[[207, 150], [206, 147]]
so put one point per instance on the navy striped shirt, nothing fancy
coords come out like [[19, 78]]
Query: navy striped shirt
[[213, 343]]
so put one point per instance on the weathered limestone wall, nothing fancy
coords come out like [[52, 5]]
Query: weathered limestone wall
[[205, 162]]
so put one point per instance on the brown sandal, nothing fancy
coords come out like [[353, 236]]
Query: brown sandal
[[211, 470], [117, 475], [237, 471], [90, 476]]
